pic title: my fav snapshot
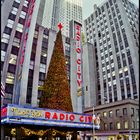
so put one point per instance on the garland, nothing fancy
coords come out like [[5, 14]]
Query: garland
[[40, 133], [13, 131], [29, 132]]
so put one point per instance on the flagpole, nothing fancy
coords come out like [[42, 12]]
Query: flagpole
[[1, 101], [93, 124]]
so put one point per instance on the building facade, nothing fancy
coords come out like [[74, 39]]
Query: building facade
[[113, 30], [26, 49], [62, 11], [118, 121]]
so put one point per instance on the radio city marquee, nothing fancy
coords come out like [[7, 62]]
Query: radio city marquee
[[18, 114]]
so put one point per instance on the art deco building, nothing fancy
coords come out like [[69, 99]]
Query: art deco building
[[26, 49], [114, 32], [111, 69], [62, 11]]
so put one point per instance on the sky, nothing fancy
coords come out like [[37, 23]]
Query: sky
[[88, 6]]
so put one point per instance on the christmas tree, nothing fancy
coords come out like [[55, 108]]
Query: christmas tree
[[56, 91]]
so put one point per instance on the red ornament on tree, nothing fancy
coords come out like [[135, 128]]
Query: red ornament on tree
[[60, 26]]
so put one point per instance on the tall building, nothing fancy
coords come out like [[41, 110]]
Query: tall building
[[62, 11], [112, 52], [113, 30], [26, 49], [76, 66]]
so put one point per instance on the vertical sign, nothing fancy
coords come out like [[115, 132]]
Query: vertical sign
[[78, 52], [76, 66], [27, 26], [78, 61]]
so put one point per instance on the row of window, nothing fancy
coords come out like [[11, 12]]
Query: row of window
[[121, 125], [120, 112]]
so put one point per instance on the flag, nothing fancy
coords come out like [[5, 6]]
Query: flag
[[2, 90]]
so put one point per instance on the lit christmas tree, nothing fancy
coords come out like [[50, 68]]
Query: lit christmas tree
[[56, 91]]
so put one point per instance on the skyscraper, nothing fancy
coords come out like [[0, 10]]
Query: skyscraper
[[113, 30], [26, 49], [112, 52], [62, 11]]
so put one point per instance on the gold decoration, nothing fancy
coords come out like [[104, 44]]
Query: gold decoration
[[13, 131], [79, 92], [29, 132], [61, 133], [41, 133], [53, 132]]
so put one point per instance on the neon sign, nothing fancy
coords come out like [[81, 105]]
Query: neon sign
[[27, 26], [4, 112], [39, 116], [50, 115], [78, 61]]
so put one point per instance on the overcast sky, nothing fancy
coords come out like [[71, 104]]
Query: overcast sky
[[88, 6]]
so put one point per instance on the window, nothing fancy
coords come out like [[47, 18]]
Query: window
[[124, 63], [126, 79], [117, 112], [9, 79], [118, 125], [120, 75], [7, 30], [111, 126], [86, 88], [23, 14], [19, 27], [12, 16], [21, 21], [110, 113], [107, 5], [43, 59], [137, 124], [102, 9], [117, 10], [126, 42], [105, 126], [137, 112], [41, 76], [11, 68], [132, 111], [126, 124], [119, 16], [133, 124], [121, 23], [105, 114], [18, 35], [124, 111], [110, 1], [129, 60], [15, 4], [14, 10]]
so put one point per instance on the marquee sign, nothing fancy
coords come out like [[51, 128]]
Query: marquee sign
[[40, 116]]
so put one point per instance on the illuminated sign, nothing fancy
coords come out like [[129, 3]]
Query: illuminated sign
[[4, 112], [49, 115], [78, 61], [27, 26], [39, 116]]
